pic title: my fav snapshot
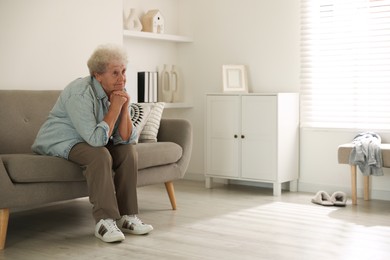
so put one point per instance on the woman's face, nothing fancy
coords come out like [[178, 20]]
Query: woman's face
[[114, 78]]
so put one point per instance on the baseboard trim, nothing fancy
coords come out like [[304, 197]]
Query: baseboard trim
[[302, 187], [314, 188]]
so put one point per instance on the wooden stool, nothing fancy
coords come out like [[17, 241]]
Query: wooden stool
[[343, 158]]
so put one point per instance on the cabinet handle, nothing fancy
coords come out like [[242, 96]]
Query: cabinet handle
[[235, 136], [242, 136]]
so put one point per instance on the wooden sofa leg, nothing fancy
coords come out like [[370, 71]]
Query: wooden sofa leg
[[366, 187], [171, 193], [353, 186], [4, 216]]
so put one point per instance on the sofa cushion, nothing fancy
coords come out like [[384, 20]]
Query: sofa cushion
[[40, 168], [24, 168], [160, 153]]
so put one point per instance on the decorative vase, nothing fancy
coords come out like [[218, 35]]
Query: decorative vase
[[132, 22], [166, 91], [175, 84]]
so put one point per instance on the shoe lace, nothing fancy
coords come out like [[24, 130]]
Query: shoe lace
[[134, 219], [111, 226]]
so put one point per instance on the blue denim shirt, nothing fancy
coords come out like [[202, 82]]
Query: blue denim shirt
[[77, 117]]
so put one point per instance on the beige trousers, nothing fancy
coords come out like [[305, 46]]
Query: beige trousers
[[112, 195]]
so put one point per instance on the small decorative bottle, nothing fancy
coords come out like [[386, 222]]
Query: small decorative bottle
[[165, 85], [175, 84], [132, 22]]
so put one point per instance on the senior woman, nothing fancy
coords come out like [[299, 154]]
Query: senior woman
[[90, 125]]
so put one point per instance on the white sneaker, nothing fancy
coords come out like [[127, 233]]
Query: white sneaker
[[133, 225], [107, 230]]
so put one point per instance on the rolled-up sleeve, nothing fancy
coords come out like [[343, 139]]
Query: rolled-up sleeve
[[117, 139]]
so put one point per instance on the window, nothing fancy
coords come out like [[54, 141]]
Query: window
[[345, 64]]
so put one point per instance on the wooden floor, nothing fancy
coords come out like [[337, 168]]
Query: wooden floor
[[226, 222]]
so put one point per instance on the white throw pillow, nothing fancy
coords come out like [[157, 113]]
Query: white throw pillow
[[139, 114], [146, 117], [150, 130]]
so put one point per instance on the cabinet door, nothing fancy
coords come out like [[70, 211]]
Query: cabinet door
[[222, 147], [259, 142]]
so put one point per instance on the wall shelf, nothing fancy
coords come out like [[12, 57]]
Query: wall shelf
[[156, 36]]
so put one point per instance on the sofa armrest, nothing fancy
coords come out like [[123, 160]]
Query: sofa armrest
[[178, 131]]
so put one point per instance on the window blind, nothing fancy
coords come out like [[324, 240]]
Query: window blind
[[345, 64]]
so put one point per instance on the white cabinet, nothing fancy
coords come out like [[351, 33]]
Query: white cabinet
[[252, 137]]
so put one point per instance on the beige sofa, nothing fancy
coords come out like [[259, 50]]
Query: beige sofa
[[27, 179]]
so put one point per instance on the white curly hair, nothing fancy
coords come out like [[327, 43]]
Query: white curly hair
[[103, 56]]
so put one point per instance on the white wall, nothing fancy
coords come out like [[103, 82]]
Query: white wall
[[261, 34], [45, 44]]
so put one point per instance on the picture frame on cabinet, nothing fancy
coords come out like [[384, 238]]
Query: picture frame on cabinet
[[234, 78]]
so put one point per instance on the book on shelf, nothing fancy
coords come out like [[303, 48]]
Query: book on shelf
[[150, 86], [143, 87], [147, 86]]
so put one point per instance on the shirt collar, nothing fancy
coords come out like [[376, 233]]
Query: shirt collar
[[99, 91]]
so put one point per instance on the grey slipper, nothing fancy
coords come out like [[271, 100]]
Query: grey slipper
[[339, 198], [322, 198]]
